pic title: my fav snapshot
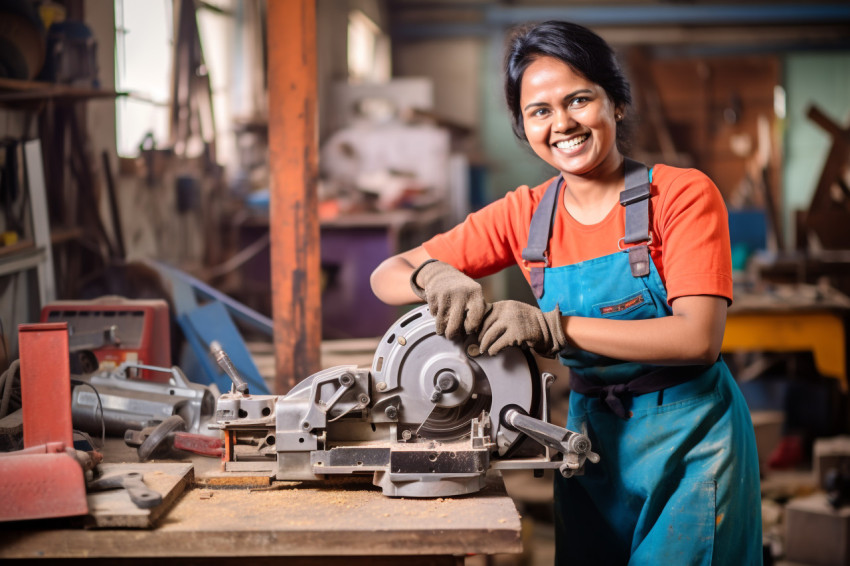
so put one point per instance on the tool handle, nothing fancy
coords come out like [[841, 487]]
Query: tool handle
[[198, 444], [133, 482], [223, 361], [140, 494]]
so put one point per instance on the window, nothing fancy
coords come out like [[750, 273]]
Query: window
[[143, 59], [368, 50]]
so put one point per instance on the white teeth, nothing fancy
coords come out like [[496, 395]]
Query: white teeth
[[571, 143]]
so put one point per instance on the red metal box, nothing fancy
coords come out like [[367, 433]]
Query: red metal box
[[117, 330]]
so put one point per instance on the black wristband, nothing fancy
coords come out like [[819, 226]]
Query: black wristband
[[420, 292]]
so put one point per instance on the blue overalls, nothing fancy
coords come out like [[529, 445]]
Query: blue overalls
[[678, 480]]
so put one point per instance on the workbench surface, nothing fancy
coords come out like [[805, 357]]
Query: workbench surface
[[343, 519]]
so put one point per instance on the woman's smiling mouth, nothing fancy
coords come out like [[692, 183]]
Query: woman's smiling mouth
[[572, 143]]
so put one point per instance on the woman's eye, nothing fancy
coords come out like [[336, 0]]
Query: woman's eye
[[579, 101], [540, 112]]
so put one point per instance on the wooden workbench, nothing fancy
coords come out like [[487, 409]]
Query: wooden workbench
[[344, 521]]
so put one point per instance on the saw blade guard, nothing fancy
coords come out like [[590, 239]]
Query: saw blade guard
[[440, 385]]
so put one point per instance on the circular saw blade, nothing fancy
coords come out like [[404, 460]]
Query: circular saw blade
[[411, 355], [452, 423]]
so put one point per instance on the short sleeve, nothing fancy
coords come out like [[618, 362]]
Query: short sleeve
[[693, 223]]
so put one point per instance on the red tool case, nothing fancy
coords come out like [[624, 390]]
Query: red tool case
[[117, 329]]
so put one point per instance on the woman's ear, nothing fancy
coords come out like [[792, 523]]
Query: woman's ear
[[619, 113]]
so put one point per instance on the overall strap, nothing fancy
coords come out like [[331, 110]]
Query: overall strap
[[536, 255], [635, 197]]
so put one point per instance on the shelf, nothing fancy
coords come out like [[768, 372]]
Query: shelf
[[28, 258], [14, 90]]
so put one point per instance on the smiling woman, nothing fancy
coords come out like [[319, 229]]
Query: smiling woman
[[571, 124], [631, 268], [568, 121]]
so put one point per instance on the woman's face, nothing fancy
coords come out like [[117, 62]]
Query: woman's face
[[569, 121]]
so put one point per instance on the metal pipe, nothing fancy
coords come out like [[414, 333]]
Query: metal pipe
[[497, 17]]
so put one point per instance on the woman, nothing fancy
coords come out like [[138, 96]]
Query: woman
[[632, 272]]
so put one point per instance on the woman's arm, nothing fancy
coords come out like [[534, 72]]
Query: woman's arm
[[692, 335], [391, 279]]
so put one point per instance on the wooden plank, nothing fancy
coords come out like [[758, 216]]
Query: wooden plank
[[245, 480], [115, 509], [15, 90]]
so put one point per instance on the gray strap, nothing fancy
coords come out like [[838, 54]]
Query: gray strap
[[635, 198], [539, 232], [540, 229]]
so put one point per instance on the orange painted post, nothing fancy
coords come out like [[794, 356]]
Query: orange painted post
[[294, 162]]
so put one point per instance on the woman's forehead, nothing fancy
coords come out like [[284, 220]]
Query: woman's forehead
[[545, 71]]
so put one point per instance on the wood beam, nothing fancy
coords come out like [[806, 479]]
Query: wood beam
[[293, 162]]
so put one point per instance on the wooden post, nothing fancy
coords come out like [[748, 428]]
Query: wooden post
[[293, 161]]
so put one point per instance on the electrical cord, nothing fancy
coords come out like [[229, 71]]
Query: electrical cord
[[100, 409], [7, 380], [3, 340], [9, 397]]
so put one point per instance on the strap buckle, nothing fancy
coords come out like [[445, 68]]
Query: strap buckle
[[527, 264], [622, 241]]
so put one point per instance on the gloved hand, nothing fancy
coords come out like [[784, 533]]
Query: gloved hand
[[456, 301], [513, 323]]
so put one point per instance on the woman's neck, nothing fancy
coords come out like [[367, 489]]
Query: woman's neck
[[589, 198]]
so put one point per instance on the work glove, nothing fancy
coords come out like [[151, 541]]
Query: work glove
[[513, 323], [455, 300]]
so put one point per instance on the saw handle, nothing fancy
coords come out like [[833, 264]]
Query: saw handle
[[575, 447]]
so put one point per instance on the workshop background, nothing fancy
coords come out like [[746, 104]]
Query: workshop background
[[134, 163]]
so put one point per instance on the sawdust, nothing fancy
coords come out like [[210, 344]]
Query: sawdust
[[232, 481]]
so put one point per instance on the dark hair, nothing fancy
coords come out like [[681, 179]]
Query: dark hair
[[575, 45]]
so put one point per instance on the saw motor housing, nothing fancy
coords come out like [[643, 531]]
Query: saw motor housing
[[429, 418]]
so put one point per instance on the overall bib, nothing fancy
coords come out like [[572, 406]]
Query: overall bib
[[678, 480]]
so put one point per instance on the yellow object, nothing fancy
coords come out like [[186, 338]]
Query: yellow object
[[818, 331], [50, 13], [9, 238]]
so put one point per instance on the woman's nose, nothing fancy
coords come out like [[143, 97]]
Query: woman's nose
[[562, 121]]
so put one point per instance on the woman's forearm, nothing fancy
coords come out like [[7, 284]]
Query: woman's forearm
[[692, 335], [391, 279]]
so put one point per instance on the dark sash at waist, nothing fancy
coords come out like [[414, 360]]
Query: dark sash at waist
[[616, 395]]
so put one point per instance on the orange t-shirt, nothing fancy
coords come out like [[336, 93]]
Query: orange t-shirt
[[689, 225]]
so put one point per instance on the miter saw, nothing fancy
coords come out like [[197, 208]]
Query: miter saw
[[427, 419]]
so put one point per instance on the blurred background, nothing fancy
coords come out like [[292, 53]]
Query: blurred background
[[154, 138]]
